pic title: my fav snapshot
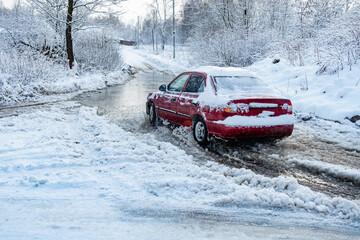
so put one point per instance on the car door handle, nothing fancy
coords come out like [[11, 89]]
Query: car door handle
[[174, 99], [194, 104]]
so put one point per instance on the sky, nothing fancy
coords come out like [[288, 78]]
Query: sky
[[141, 8], [6, 3], [132, 8], [135, 8]]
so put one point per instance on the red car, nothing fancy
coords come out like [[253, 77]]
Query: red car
[[228, 103]]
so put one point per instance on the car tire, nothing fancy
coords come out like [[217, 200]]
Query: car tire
[[200, 131], [153, 118]]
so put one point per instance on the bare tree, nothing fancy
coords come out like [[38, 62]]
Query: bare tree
[[161, 9], [70, 13]]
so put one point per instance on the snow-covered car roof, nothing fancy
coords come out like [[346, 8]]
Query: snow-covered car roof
[[224, 71], [249, 87]]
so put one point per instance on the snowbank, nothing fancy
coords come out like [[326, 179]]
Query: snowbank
[[12, 91], [333, 97], [337, 171], [343, 135], [145, 60]]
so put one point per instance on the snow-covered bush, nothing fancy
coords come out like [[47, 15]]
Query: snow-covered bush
[[29, 54], [29, 48], [237, 33], [96, 50], [21, 28], [295, 50], [33, 60], [338, 45], [212, 48], [23, 73], [28, 65]]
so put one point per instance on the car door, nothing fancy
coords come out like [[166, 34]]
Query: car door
[[168, 100], [187, 103]]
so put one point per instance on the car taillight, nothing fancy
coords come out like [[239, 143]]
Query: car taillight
[[288, 107], [229, 111], [290, 110]]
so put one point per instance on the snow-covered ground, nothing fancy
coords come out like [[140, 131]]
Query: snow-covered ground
[[67, 173], [333, 97], [162, 61], [337, 171], [59, 84], [346, 135], [55, 89]]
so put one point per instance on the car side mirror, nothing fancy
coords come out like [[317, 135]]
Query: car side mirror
[[162, 88]]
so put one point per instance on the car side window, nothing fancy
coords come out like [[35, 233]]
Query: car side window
[[195, 84], [178, 84]]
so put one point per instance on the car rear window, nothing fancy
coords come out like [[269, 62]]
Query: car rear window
[[240, 84]]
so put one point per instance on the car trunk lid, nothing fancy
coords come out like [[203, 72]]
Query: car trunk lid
[[262, 107]]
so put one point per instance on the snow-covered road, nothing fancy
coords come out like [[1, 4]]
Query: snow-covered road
[[68, 173]]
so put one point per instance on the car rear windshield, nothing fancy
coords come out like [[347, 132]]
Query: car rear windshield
[[240, 84]]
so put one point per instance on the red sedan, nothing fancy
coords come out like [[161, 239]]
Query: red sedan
[[228, 103]]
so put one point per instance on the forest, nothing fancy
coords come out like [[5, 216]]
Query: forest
[[241, 32]]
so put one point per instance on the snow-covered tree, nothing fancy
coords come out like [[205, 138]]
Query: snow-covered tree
[[338, 44], [72, 14], [162, 8], [239, 32]]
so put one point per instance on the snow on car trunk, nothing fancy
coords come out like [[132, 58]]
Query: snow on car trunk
[[65, 166], [255, 121]]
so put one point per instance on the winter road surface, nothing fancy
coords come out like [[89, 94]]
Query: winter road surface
[[313, 157], [92, 168]]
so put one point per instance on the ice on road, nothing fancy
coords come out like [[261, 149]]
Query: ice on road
[[67, 173]]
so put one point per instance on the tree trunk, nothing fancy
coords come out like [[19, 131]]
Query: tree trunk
[[69, 43], [163, 31]]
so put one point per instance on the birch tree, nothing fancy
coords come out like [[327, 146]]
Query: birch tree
[[162, 8]]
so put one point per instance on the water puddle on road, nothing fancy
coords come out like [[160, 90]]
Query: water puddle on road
[[125, 104]]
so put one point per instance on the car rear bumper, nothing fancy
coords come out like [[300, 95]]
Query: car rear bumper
[[266, 129]]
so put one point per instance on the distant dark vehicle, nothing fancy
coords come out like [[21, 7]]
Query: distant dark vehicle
[[127, 43], [224, 102]]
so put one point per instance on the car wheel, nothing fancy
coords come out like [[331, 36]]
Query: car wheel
[[152, 115], [200, 131]]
